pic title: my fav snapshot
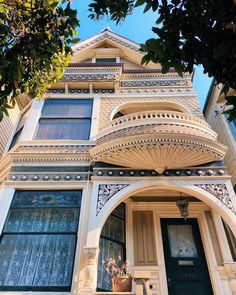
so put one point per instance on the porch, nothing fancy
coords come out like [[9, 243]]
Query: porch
[[140, 238]]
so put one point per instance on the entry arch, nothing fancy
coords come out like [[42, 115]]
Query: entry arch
[[212, 201]]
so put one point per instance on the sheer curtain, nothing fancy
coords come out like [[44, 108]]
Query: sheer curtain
[[65, 119], [181, 241], [38, 243], [111, 245]]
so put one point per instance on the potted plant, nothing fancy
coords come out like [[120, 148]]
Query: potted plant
[[121, 281]]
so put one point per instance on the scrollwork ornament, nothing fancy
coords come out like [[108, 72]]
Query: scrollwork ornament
[[75, 77], [220, 191], [154, 83], [105, 192]]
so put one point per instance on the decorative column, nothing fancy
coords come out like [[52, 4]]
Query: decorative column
[[90, 254]]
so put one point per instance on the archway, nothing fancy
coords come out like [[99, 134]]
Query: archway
[[194, 190]]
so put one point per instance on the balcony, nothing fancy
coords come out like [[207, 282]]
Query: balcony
[[158, 140]]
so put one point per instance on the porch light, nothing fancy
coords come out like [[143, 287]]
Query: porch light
[[182, 204]]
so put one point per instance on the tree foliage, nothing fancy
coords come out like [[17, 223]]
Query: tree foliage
[[188, 33], [34, 46]]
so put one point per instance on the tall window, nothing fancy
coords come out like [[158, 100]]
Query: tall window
[[65, 119], [38, 243], [111, 245]]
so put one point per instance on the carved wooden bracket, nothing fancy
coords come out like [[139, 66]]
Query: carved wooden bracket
[[105, 192], [220, 191]]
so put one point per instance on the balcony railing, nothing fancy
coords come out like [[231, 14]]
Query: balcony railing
[[158, 140]]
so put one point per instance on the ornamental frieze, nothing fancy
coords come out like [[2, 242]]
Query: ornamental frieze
[[154, 83], [52, 148], [154, 128], [106, 192], [84, 77], [220, 191]]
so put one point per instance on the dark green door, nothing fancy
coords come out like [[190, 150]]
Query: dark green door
[[186, 267]]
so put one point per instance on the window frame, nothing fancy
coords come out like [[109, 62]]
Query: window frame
[[44, 117], [74, 233]]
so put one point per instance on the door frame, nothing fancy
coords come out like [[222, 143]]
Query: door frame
[[170, 210]]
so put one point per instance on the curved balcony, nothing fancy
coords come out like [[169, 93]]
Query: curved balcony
[[158, 140]]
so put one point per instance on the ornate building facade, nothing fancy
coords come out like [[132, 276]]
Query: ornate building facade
[[116, 161], [213, 111]]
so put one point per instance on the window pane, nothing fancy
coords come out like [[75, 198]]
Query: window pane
[[111, 245], [73, 129], [108, 249], [78, 108], [181, 241], [15, 138], [36, 260], [104, 60], [38, 244], [114, 229], [42, 220], [31, 199]]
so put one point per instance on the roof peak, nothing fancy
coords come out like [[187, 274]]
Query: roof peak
[[106, 28]]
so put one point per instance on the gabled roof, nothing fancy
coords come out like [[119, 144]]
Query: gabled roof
[[106, 34], [127, 48]]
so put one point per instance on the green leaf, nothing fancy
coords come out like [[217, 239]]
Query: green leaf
[[75, 40], [147, 7], [155, 5], [165, 68], [139, 3]]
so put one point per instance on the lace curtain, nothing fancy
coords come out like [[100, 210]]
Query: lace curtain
[[111, 245], [38, 244], [181, 241]]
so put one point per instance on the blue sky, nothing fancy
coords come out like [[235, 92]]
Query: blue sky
[[136, 27]]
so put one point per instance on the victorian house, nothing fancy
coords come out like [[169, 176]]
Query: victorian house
[[116, 162]]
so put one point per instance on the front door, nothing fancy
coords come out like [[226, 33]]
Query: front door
[[186, 267]]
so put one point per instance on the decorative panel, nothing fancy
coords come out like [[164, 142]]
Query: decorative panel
[[26, 199], [144, 238]]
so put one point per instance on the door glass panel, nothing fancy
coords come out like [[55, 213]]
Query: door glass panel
[[181, 241]]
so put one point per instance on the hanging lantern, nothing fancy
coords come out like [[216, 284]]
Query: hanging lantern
[[183, 207]]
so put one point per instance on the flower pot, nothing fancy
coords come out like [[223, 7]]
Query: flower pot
[[121, 284]]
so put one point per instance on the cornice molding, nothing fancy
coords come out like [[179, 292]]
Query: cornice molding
[[52, 149]]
